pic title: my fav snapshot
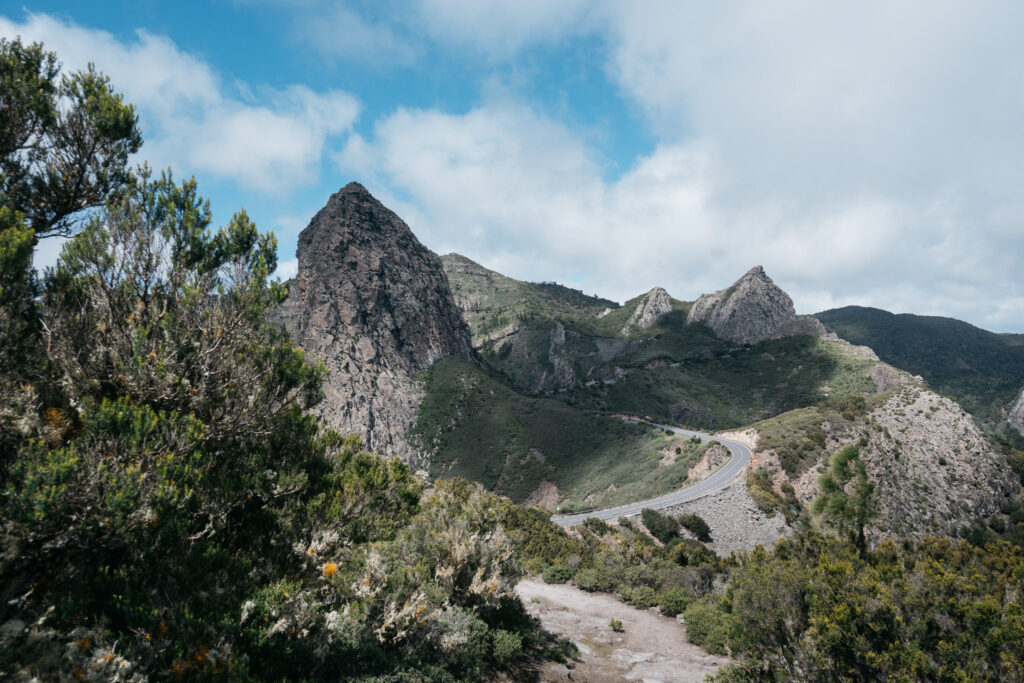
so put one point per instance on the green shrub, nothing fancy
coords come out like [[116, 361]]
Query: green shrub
[[708, 626], [673, 600], [598, 526], [661, 526], [615, 625], [536, 537], [557, 573], [697, 526], [688, 552], [590, 580], [563, 651], [641, 597], [507, 645]]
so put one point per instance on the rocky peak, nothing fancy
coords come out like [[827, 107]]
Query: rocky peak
[[374, 305], [753, 309], [1016, 416], [652, 306]]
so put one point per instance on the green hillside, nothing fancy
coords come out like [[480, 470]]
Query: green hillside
[[492, 302], [480, 428], [982, 370], [693, 378]]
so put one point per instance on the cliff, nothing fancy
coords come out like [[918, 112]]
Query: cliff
[[374, 305]]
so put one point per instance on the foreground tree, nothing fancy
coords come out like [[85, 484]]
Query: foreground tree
[[177, 511], [65, 140], [168, 506]]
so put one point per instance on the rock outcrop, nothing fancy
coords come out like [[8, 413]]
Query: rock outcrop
[[1016, 416], [933, 469], [887, 377], [652, 306], [753, 309], [374, 305]]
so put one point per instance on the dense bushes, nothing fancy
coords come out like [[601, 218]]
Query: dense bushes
[[172, 510], [557, 573], [661, 526], [708, 626], [697, 526], [623, 561], [814, 609]]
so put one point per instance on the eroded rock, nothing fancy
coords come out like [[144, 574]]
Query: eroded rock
[[753, 309], [374, 305], [1016, 416], [655, 304]]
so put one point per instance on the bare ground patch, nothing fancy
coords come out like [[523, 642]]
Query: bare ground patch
[[651, 647]]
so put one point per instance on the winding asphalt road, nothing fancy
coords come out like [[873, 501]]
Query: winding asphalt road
[[720, 479]]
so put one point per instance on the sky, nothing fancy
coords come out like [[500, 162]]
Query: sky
[[863, 152]]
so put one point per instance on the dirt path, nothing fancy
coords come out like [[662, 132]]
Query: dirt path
[[651, 647]]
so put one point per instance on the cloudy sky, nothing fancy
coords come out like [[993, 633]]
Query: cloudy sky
[[864, 152]]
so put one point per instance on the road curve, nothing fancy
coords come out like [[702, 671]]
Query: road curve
[[718, 480]]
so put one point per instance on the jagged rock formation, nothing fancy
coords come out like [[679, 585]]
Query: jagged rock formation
[[933, 468], [374, 305], [1016, 416], [753, 309], [655, 304]]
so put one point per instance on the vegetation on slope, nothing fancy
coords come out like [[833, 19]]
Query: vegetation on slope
[[611, 324], [982, 370], [690, 377], [170, 508], [493, 303], [477, 427], [814, 607]]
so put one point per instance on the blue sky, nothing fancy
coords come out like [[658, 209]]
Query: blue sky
[[864, 153]]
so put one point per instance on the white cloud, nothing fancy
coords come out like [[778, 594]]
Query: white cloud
[[285, 270], [338, 33], [808, 98], [499, 28], [863, 152], [190, 119]]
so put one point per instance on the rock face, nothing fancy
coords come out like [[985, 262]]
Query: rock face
[[752, 310], [374, 305], [887, 377], [655, 304], [933, 469], [1016, 416]]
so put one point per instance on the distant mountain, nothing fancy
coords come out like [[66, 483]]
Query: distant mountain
[[521, 386], [752, 310], [982, 370]]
